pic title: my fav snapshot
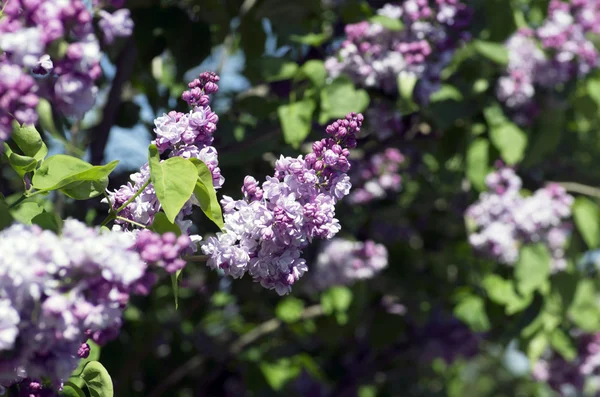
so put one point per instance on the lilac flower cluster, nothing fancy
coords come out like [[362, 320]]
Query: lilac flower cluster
[[569, 377], [53, 40], [503, 219], [374, 56], [385, 120], [188, 135], [377, 176], [56, 292], [556, 52], [341, 262], [165, 251], [265, 233]]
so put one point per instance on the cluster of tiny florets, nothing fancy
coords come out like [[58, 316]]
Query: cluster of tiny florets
[[265, 232], [504, 220]]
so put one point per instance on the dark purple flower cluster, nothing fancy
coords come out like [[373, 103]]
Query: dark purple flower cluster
[[556, 52], [503, 219], [187, 135], [446, 338], [375, 56], [377, 176], [266, 232], [569, 377], [53, 40]]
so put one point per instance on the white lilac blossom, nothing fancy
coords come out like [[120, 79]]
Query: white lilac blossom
[[117, 24], [503, 219], [265, 232], [342, 262], [377, 176], [187, 135], [553, 54], [58, 291], [569, 377], [374, 56]]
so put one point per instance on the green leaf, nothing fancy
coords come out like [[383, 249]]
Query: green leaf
[[281, 372], [406, 87], [503, 292], [533, 268], [163, 225], [206, 195], [593, 89], [471, 310], [29, 140], [315, 71], [296, 120], [44, 110], [6, 218], [47, 221], [76, 178], [71, 390], [290, 309], [94, 356], [584, 311], [97, 380], [478, 162], [536, 346], [25, 212], [510, 141], [337, 300], [445, 93], [85, 190], [340, 98], [546, 139], [175, 286], [387, 22], [587, 218], [494, 115], [563, 344], [495, 52], [173, 179], [276, 69], [311, 39], [21, 164]]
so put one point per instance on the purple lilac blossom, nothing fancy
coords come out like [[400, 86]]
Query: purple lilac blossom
[[18, 98], [77, 283], [342, 262], [555, 53], [187, 135], [374, 56], [377, 176], [503, 219], [447, 338], [117, 24], [28, 32], [265, 232], [566, 377], [56, 292], [385, 120]]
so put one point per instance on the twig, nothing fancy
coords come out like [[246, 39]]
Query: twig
[[268, 327], [579, 188], [99, 134], [261, 330]]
